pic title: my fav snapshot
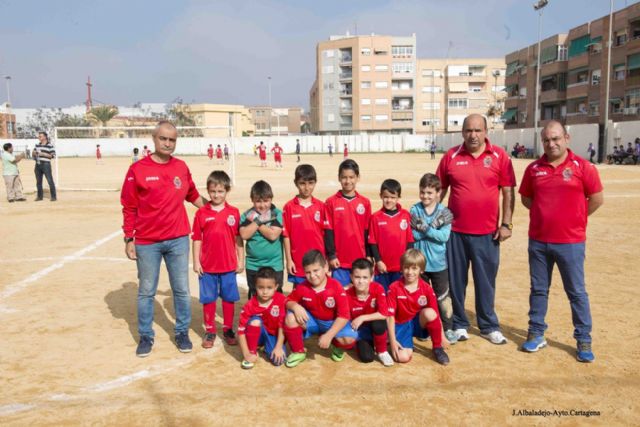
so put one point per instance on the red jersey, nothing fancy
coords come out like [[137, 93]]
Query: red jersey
[[210, 152], [304, 227], [263, 151], [376, 301], [277, 153], [475, 186], [152, 199], [391, 233], [346, 151], [217, 231], [218, 153], [272, 315], [404, 305], [327, 304], [348, 218], [146, 152], [558, 212], [98, 154]]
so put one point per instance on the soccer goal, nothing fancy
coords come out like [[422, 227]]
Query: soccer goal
[[120, 141]]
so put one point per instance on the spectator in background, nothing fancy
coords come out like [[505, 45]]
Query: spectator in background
[[11, 174], [515, 151], [591, 151], [43, 153]]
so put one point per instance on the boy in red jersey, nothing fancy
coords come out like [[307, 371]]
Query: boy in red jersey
[[303, 223], [368, 307], [145, 151], [389, 234], [346, 151], [219, 155], [262, 153], [210, 152], [218, 254], [346, 223], [318, 306], [413, 307], [98, 155], [262, 320], [277, 155]]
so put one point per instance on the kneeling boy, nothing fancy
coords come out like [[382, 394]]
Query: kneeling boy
[[413, 307], [318, 306]]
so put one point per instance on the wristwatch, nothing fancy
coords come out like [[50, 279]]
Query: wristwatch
[[128, 239], [507, 226]]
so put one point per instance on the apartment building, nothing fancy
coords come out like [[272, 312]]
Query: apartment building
[[276, 121], [364, 84], [450, 89], [222, 115], [573, 73]]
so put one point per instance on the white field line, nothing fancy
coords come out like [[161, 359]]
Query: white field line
[[51, 258], [109, 190]]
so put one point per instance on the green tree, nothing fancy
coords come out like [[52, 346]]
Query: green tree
[[103, 114], [178, 113], [67, 120], [493, 112]]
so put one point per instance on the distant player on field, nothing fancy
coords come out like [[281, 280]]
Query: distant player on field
[[210, 152], [277, 155], [219, 155], [262, 153], [98, 155]]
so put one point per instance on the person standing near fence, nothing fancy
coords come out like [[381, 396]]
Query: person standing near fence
[[43, 153]]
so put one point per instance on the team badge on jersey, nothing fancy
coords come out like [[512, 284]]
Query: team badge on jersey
[[275, 311], [330, 302], [422, 301], [231, 220], [177, 183], [567, 174], [403, 224], [316, 216], [487, 162], [373, 303], [360, 209]]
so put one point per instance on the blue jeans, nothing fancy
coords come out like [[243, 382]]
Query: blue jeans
[[570, 260], [44, 168], [483, 253], [175, 253]]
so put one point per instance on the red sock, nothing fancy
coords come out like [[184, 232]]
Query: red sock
[[227, 315], [435, 332], [209, 316], [252, 333], [343, 346], [294, 338], [380, 342]]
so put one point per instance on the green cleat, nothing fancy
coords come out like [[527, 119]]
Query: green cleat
[[337, 354], [294, 359]]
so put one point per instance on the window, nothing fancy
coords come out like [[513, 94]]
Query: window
[[429, 73], [563, 53], [401, 85], [327, 69], [402, 50], [620, 37], [380, 52], [458, 103], [382, 117], [365, 101], [382, 67], [366, 68], [402, 67], [595, 77], [455, 120], [594, 108], [365, 51], [428, 122], [475, 88], [619, 72], [632, 99], [431, 89], [382, 101], [431, 106], [582, 77], [365, 85], [365, 118], [523, 92], [329, 53], [328, 86], [382, 85], [331, 117], [616, 106]]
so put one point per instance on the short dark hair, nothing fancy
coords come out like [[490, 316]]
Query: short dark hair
[[430, 180], [219, 178], [349, 164], [305, 173], [392, 186], [314, 256], [6, 146], [362, 264], [45, 134], [266, 273], [261, 190], [135, 150]]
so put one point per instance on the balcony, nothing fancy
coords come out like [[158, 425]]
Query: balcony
[[346, 110], [631, 111], [578, 61], [467, 79], [552, 95], [348, 75], [346, 93], [575, 90], [402, 115]]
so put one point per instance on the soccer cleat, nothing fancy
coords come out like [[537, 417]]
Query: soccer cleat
[[534, 343], [144, 346], [584, 353], [495, 337], [247, 365], [337, 354], [208, 340], [385, 358], [462, 334], [451, 336], [441, 356], [294, 359], [230, 337], [183, 342]]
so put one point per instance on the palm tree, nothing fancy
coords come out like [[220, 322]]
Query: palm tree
[[102, 114]]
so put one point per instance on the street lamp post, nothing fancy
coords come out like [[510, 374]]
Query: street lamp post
[[497, 110], [8, 81], [604, 148], [539, 5]]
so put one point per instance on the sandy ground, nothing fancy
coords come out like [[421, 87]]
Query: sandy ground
[[68, 324]]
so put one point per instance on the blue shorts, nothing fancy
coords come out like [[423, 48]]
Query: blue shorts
[[295, 280], [214, 284], [342, 275], [317, 327], [386, 279], [365, 333], [266, 339], [407, 330]]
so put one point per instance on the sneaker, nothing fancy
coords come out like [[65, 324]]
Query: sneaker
[[208, 340], [385, 358], [337, 354], [144, 346], [584, 353], [54, 199], [451, 336], [294, 359], [22, 199], [495, 337], [11, 201], [230, 337], [183, 342], [534, 343], [441, 356], [246, 364], [462, 334]]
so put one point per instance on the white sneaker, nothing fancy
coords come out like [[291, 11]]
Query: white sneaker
[[385, 358], [495, 337], [462, 334]]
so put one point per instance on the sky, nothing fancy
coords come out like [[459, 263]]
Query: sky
[[223, 52]]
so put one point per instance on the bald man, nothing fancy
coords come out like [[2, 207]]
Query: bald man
[[561, 190]]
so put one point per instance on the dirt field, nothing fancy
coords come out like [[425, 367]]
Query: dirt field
[[69, 333]]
